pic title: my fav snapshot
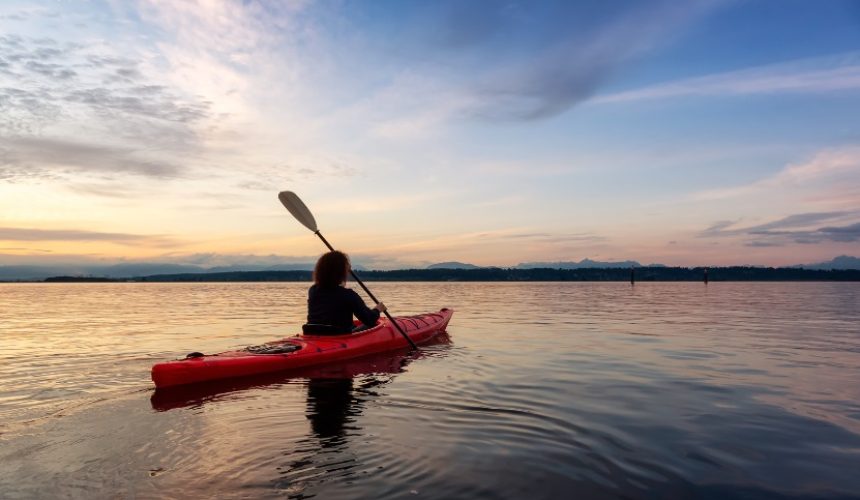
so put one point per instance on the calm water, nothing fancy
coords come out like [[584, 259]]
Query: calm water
[[542, 390]]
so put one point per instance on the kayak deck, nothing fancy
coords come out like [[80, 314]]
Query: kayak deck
[[300, 351]]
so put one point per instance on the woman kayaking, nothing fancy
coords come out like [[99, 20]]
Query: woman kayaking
[[331, 305]]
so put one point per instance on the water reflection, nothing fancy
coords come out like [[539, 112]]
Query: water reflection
[[333, 403], [330, 405]]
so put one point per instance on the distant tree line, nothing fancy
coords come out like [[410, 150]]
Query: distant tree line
[[737, 273]]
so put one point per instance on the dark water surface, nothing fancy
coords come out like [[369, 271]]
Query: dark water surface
[[541, 390]]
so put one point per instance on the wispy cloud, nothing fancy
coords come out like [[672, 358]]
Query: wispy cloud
[[843, 234], [24, 249], [831, 163], [57, 96], [465, 74], [203, 260], [817, 185], [28, 157], [825, 74], [719, 227], [763, 244], [514, 240], [552, 237], [576, 66], [388, 203], [730, 227], [70, 78], [274, 178], [25, 13], [213, 259], [805, 228], [800, 220], [76, 235]]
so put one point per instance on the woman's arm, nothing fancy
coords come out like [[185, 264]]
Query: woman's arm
[[364, 314]]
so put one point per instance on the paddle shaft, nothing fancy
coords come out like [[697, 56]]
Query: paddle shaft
[[370, 294]]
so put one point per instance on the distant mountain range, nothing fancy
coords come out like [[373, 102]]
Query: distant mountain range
[[123, 271], [10, 273], [583, 264], [453, 265], [841, 262]]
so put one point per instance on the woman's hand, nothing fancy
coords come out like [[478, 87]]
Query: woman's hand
[[381, 307]]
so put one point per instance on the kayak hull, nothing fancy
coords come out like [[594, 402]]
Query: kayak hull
[[312, 350]]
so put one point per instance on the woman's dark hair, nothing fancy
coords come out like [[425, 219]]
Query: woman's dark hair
[[331, 269]]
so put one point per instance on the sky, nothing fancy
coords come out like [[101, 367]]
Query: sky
[[714, 132]]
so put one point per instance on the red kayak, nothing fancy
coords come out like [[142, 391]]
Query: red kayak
[[300, 351], [389, 362]]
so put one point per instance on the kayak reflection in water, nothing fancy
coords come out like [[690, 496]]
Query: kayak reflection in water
[[331, 305]]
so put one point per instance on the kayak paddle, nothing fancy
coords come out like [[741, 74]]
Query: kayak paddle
[[294, 204]]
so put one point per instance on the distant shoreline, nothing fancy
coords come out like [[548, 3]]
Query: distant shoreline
[[639, 274]]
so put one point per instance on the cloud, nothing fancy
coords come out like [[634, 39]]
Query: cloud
[[551, 237], [570, 71], [719, 226], [388, 203], [844, 233], [763, 244], [463, 25], [797, 228], [513, 240], [722, 228], [55, 97], [829, 164], [848, 233], [798, 220], [212, 259], [30, 158], [825, 74], [203, 260], [303, 168], [25, 112], [24, 249], [108, 87], [149, 101], [492, 63], [77, 235], [25, 13], [55, 71]]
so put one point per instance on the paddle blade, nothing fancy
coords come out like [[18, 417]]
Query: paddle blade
[[298, 209]]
